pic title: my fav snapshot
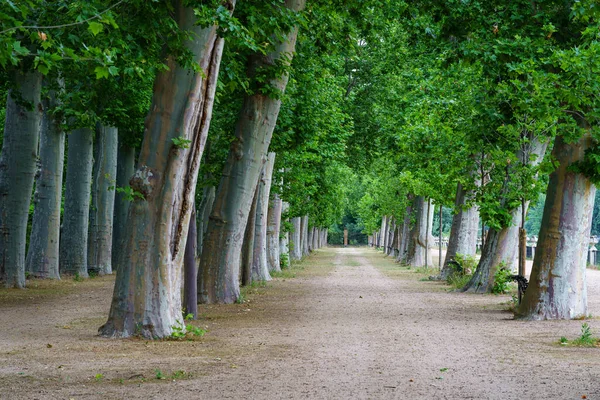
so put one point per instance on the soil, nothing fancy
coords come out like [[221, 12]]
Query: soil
[[346, 323]]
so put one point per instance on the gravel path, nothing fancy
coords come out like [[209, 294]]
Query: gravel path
[[352, 325]]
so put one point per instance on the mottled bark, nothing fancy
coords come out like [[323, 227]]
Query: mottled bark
[[295, 239], [305, 251], [391, 236], [125, 170], [102, 208], [557, 288], [74, 231], [417, 246], [284, 239], [190, 271], [501, 246], [247, 257], [310, 241], [42, 256], [147, 297], [208, 199], [463, 234], [384, 236], [220, 262], [17, 172], [404, 235], [260, 268], [273, 231]]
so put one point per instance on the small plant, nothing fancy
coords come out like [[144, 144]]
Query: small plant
[[77, 277], [586, 338], [458, 281], [181, 142], [240, 299], [159, 375], [28, 275], [467, 262], [183, 331], [189, 317], [284, 261], [98, 377], [92, 273], [129, 193], [563, 340], [501, 279], [180, 374]]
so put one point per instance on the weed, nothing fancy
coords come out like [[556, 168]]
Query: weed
[[240, 299], [181, 142], [93, 273], [98, 377], [189, 317], [501, 279], [284, 261], [159, 375], [458, 281], [285, 274], [77, 277], [185, 331], [180, 374], [584, 340], [28, 275], [563, 340]]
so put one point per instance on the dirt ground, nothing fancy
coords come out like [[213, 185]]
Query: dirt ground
[[344, 324]]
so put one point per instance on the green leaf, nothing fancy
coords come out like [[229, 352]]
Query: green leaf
[[101, 72], [23, 51], [95, 28], [113, 70]]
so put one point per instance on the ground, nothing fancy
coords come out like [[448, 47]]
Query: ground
[[344, 324]]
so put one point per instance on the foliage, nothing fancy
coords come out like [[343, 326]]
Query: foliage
[[501, 279], [584, 340]]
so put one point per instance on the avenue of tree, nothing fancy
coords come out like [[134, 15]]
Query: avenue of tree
[[190, 147]]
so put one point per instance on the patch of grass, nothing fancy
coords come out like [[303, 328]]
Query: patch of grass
[[584, 340], [424, 270], [458, 281], [284, 274], [158, 374], [188, 332]]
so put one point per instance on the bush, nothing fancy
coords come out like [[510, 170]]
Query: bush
[[501, 279]]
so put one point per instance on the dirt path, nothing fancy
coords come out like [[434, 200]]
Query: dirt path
[[351, 325]]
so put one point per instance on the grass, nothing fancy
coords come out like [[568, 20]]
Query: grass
[[458, 281], [584, 340]]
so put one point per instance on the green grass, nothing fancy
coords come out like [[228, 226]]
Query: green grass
[[584, 340]]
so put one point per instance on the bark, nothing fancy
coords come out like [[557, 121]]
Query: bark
[[125, 170], [222, 246], [417, 246], [284, 239], [248, 246], [311, 238], [296, 235], [190, 271], [208, 199], [305, 236], [501, 246], [557, 288], [391, 233], [383, 240], [404, 235], [463, 234], [273, 231], [42, 256], [260, 268], [103, 200], [147, 297], [17, 172], [74, 231]]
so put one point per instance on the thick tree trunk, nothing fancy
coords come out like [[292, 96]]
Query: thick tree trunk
[[221, 261], [103, 200], [463, 234], [125, 170], [391, 237], [42, 256], [247, 259], [74, 231], [260, 268], [295, 239], [147, 297], [190, 271], [305, 251], [500, 247], [284, 240], [417, 241], [404, 236], [557, 288], [17, 172], [208, 199], [273, 230]]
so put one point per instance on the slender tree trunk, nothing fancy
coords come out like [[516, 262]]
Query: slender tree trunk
[[310, 235], [74, 231], [305, 236], [383, 241], [500, 247], [417, 246], [273, 230], [260, 268], [190, 290], [463, 234], [295, 238], [404, 239], [125, 170], [208, 199], [248, 245], [557, 288], [17, 172], [147, 297], [221, 261], [103, 200], [284, 240], [42, 257]]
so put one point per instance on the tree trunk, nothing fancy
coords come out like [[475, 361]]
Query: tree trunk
[[190, 271], [103, 200], [284, 240], [74, 231], [417, 246], [463, 234], [221, 261], [500, 247], [42, 256], [147, 296], [247, 259], [208, 199], [260, 268], [404, 235], [557, 288], [295, 238], [391, 236], [125, 170], [310, 235], [305, 251], [273, 230], [17, 172], [383, 240]]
